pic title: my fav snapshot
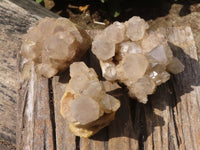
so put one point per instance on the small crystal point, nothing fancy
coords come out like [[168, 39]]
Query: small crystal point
[[104, 50], [175, 66], [110, 104], [136, 28]]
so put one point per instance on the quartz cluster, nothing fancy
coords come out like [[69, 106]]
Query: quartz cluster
[[54, 44], [85, 103], [136, 56]]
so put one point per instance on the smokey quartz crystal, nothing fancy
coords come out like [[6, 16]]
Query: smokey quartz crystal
[[54, 44], [138, 57]]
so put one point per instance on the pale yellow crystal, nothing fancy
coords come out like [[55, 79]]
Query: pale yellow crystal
[[103, 49], [85, 110], [136, 28], [133, 66]]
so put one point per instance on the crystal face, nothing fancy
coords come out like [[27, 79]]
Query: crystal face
[[54, 44], [139, 58], [85, 103]]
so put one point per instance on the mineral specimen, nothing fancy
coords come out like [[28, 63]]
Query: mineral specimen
[[54, 44], [85, 103], [136, 56]]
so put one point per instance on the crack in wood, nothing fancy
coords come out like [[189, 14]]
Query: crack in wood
[[178, 139], [52, 115], [142, 124], [77, 139]]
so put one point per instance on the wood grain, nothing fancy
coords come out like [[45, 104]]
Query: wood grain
[[64, 138], [14, 22], [35, 125]]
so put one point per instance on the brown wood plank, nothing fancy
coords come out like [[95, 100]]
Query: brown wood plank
[[14, 22], [34, 125], [65, 140], [187, 89], [33, 8], [121, 131], [172, 115]]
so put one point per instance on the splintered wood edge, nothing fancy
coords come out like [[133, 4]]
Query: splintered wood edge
[[35, 124]]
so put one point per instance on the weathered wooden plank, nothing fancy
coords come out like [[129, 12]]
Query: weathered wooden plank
[[187, 89], [65, 140], [121, 131], [34, 8], [35, 128], [14, 22], [161, 130], [177, 102]]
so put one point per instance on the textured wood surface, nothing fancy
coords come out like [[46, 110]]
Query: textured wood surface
[[14, 22], [170, 120], [34, 118]]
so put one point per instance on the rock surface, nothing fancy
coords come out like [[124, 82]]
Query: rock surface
[[138, 57], [85, 103], [54, 44]]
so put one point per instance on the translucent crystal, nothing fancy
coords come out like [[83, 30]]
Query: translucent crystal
[[85, 110], [175, 66], [131, 68], [56, 42], [103, 49], [115, 32], [162, 54], [143, 87], [32, 48], [46, 69], [134, 66], [151, 41], [85, 103], [136, 28], [130, 48], [110, 104], [108, 70]]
